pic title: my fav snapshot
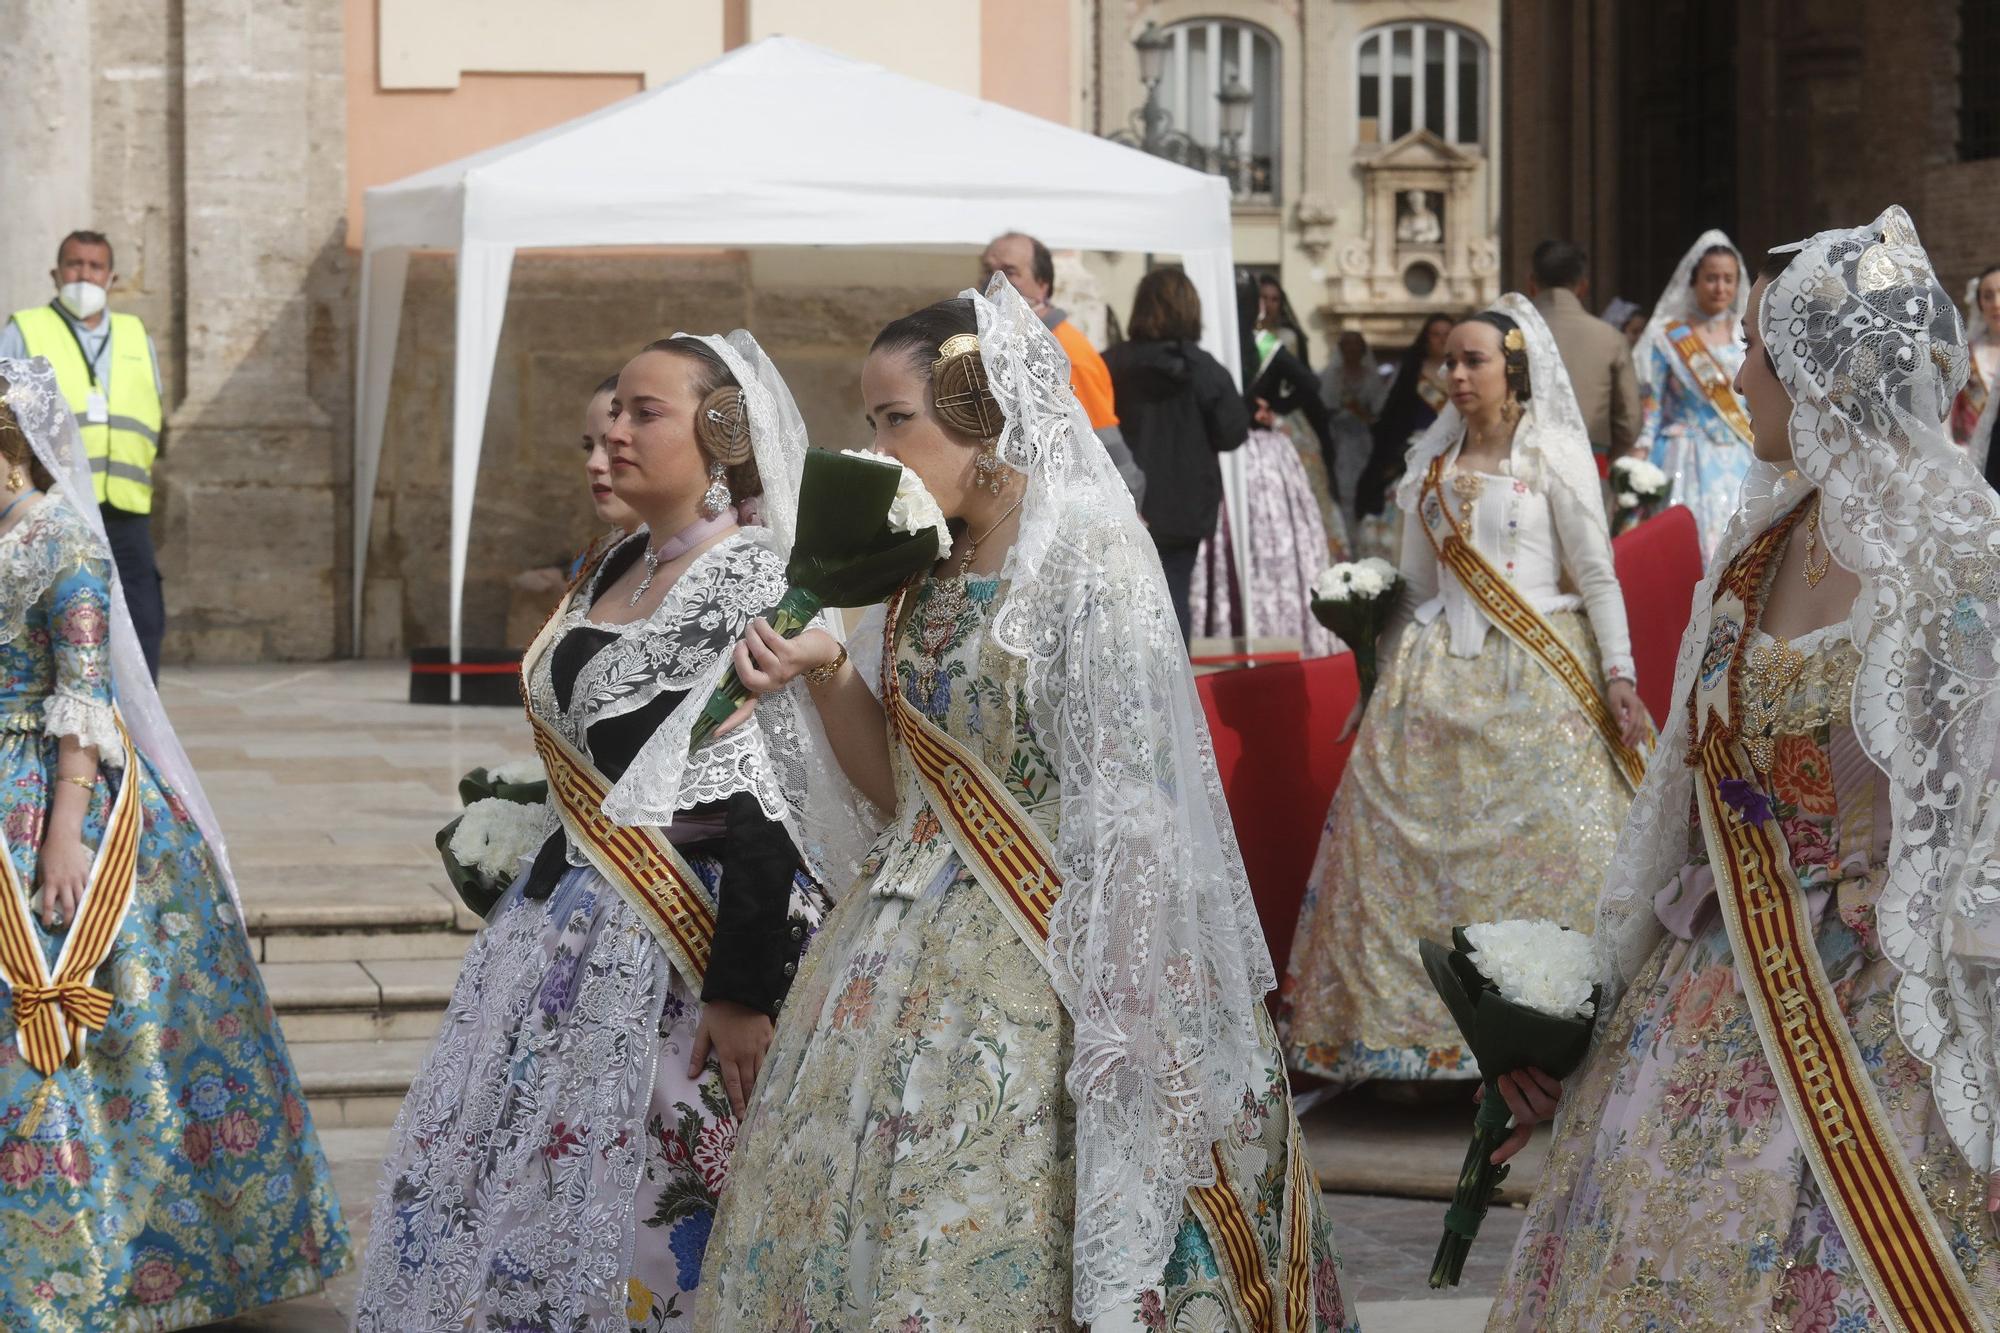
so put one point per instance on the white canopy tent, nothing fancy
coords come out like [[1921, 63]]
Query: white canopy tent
[[779, 143]]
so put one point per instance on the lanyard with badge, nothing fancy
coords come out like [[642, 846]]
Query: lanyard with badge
[[97, 408]]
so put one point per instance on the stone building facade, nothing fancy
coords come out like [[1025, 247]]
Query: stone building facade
[[1631, 128]]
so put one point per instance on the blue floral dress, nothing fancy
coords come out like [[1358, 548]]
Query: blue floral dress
[[173, 1177]]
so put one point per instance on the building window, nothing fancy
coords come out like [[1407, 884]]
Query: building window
[[1978, 90], [1420, 76], [1205, 54]]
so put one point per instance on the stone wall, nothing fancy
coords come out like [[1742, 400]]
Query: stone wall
[[572, 319]]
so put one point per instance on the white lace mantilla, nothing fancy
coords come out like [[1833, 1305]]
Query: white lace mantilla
[[1871, 349], [1154, 942]]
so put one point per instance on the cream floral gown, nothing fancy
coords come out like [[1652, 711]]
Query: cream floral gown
[[907, 1160], [1676, 1195]]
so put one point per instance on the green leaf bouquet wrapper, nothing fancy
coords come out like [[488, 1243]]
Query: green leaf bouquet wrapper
[[1359, 622], [1504, 1037], [846, 553], [480, 785]]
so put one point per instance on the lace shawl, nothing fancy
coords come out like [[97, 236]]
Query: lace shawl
[[784, 757], [1872, 351], [1154, 942]]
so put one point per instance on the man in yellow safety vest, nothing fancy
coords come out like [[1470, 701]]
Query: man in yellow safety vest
[[109, 372]]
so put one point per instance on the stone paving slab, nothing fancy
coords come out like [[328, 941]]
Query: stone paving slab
[[1361, 1144]]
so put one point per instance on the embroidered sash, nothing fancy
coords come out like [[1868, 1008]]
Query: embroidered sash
[[1012, 860], [646, 868], [1709, 380], [1868, 1181], [54, 1008], [1513, 616]]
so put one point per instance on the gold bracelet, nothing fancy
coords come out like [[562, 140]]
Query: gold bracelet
[[821, 675], [88, 784]]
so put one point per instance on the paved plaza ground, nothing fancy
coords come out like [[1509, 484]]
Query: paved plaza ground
[[330, 787]]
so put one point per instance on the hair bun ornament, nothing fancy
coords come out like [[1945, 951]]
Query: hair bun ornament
[[723, 426], [959, 391]]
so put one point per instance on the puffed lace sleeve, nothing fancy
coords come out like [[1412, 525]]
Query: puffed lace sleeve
[[1585, 551], [80, 641]]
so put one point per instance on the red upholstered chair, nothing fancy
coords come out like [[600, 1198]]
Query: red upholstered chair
[[1274, 729], [1659, 563]]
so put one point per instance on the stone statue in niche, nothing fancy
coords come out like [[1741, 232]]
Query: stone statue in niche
[[1418, 220]]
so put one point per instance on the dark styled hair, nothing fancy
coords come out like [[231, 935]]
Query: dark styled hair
[[1559, 263], [918, 336], [1287, 317], [1984, 274], [1515, 357], [608, 385], [15, 451], [1166, 308], [1040, 262], [1694, 274], [713, 373], [85, 237], [1776, 262]]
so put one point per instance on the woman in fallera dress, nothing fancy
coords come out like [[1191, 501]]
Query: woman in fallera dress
[[1026, 1083], [1786, 1120], [557, 1161], [1694, 427], [1495, 761], [1417, 394], [158, 1166], [1982, 342]]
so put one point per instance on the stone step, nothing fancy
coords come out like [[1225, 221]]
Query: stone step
[[357, 1083], [354, 1000], [334, 914]]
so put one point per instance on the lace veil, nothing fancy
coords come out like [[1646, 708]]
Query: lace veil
[[1155, 945], [1652, 357], [1551, 443], [46, 419], [782, 750], [1872, 351]]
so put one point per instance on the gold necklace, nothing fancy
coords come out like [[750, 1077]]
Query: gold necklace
[[1814, 573], [972, 546]]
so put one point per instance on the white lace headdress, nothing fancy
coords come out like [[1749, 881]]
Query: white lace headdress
[[1872, 351], [1551, 443], [1678, 302], [1156, 949], [781, 755], [50, 426]]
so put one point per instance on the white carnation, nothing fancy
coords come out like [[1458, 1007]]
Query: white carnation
[[1537, 964], [913, 510], [495, 836], [517, 772], [1364, 581], [1638, 478], [1627, 500]]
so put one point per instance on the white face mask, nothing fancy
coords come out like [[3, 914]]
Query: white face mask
[[82, 299]]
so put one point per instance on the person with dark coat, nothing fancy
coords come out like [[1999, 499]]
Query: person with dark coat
[[1179, 409]]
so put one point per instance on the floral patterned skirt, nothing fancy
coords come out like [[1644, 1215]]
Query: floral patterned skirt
[[907, 1162], [173, 1178], [1676, 1195], [1289, 546], [1476, 791], [553, 1167]]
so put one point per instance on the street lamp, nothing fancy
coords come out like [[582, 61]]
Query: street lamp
[[1152, 125], [1152, 46], [1234, 120]]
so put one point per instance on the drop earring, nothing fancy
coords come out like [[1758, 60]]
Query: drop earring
[[17, 480], [987, 474], [718, 496]]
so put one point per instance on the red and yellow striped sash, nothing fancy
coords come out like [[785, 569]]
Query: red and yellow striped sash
[[1513, 616], [1007, 852], [1867, 1179], [1710, 379], [54, 1008], [641, 863]]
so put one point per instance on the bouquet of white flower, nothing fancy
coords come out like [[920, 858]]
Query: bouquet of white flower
[[1355, 600], [1639, 491], [504, 805], [1522, 993], [866, 524]]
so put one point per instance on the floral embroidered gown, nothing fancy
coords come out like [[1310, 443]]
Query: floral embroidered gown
[[1688, 439], [1676, 1195], [173, 1177], [553, 1167], [907, 1162], [1477, 790]]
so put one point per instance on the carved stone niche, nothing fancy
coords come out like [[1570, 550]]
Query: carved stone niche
[[1425, 244]]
